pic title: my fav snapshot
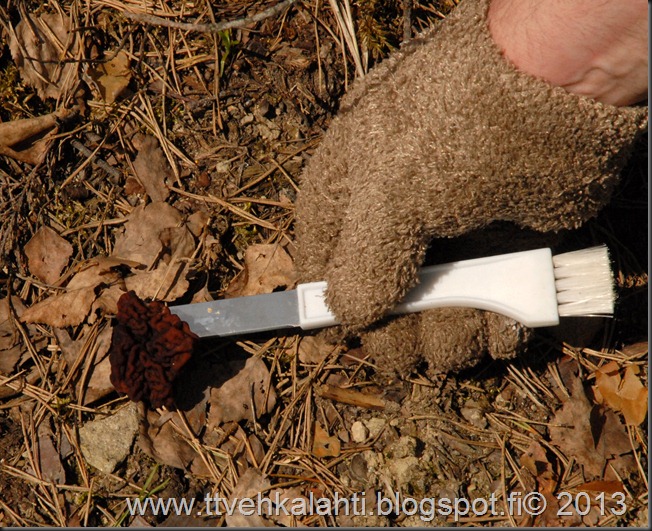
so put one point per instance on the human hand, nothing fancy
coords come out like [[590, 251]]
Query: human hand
[[594, 49], [443, 138]]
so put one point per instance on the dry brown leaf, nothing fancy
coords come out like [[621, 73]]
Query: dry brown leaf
[[67, 309], [602, 486], [11, 345], [591, 435], [257, 450], [203, 295], [27, 140], [133, 187], [245, 393], [323, 445], [249, 485], [141, 239], [159, 439], [72, 307], [168, 281], [232, 440], [49, 458], [313, 349], [635, 349], [634, 397], [152, 168], [107, 302], [39, 47], [627, 395], [112, 77], [294, 493], [196, 223], [47, 254], [267, 267], [99, 382], [543, 480], [292, 56]]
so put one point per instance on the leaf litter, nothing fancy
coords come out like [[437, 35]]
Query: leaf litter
[[41, 46], [28, 139], [92, 208]]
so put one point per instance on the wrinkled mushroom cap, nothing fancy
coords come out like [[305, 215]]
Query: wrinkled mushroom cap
[[149, 348]]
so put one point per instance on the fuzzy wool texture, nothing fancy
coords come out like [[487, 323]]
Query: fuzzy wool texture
[[443, 138]]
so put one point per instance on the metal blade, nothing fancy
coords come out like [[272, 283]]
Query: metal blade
[[240, 315]]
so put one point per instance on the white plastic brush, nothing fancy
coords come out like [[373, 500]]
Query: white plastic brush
[[532, 287]]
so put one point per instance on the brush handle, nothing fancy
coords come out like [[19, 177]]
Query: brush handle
[[517, 285]]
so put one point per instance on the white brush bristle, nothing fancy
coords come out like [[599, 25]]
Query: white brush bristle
[[584, 282]]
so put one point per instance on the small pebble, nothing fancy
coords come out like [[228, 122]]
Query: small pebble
[[359, 432]]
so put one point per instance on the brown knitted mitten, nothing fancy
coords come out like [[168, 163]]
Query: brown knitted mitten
[[442, 138]]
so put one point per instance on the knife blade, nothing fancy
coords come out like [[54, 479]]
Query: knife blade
[[229, 317]]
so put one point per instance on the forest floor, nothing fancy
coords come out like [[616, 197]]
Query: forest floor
[[163, 155]]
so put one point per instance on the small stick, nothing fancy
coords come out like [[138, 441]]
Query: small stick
[[407, 19], [212, 27], [100, 162], [351, 397]]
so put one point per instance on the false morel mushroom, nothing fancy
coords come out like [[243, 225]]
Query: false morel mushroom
[[149, 348]]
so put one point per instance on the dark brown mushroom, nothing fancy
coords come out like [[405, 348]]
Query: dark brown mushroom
[[149, 348]]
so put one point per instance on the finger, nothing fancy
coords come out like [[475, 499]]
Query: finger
[[319, 207], [376, 259]]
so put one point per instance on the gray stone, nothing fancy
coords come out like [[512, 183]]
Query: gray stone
[[106, 442]]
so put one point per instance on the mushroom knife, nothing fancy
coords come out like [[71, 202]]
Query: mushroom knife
[[532, 287]]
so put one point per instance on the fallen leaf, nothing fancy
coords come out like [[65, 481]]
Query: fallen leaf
[[140, 240], [107, 302], [267, 267], [168, 281], [249, 485], [47, 254], [543, 480], [627, 395], [112, 77], [313, 349], [323, 445], [152, 168], [294, 57], [592, 435], [13, 349], [602, 486], [27, 140], [67, 309], [636, 349], [232, 441], [245, 393], [197, 222], [39, 47], [11, 344], [257, 450], [72, 307], [133, 187], [634, 398], [159, 439], [203, 295], [156, 237], [99, 383], [49, 458], [297, 499]]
